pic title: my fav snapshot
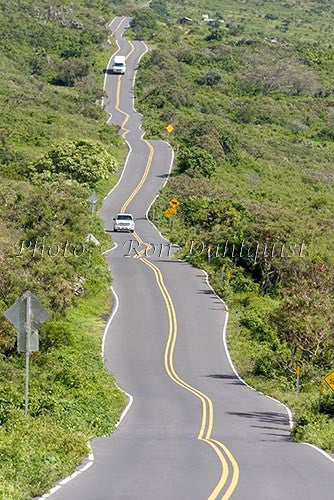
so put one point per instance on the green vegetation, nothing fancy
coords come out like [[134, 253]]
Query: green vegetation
[[55, 148], [86, 161], [251, 101]]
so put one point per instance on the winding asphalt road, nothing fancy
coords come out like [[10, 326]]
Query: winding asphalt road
[[195, 430]]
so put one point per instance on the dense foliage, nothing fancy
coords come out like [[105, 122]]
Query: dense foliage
[[251, 102], [82, 160]]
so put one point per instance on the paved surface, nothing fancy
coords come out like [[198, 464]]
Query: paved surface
[[194, 430]]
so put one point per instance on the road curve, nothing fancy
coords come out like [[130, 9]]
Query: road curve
[[194, 430]]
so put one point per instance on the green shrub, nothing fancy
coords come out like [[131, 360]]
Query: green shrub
[[70, 71], [256, 325], [230, 146], [316, 429], [83, 160], [327, 133], [55, 334], [271, 16], [247, 113], [327, 404], [215, 34], [7, 332], [144, 23], [265, 362], [211, 78], [159, 6], [196, 161]]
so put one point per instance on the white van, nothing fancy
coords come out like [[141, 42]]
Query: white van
[[119, 65]]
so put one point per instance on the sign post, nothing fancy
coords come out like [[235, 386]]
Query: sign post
[[321, 391], [28, 335], [26, 315], [222, 271], [93, 200], [298, 370]]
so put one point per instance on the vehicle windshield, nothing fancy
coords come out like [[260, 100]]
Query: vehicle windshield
[[124, 217], [119, 64]]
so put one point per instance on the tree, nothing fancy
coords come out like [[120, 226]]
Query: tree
[[70, 71], [83, 160], [89, 95], [229, 143], [211, 78], [143, 23], [306, 315], [266, 74], [196, 161]]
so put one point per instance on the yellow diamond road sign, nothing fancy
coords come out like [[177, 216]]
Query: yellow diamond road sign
[[170, 211], [170, 129], [174, 202], [329, 379]]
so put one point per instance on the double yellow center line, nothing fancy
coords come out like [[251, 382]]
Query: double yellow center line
[[207, 407], [228, 480]]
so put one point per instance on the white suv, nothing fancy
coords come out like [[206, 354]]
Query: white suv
[[124, 222]]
